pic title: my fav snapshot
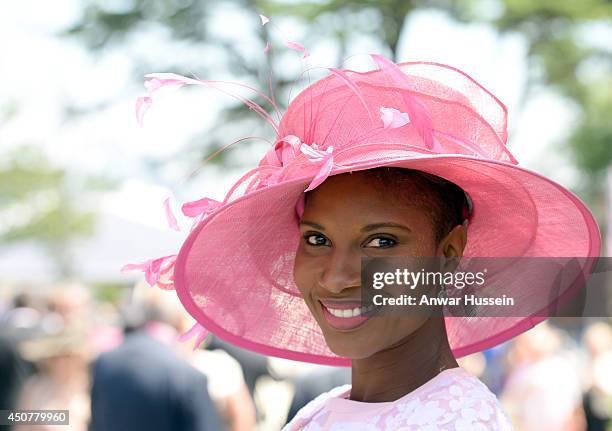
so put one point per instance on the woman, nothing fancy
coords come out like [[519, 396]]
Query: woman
[[62, 382], [403, 367], [405, 160]]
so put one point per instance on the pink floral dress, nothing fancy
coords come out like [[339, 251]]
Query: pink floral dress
[[454, 400]]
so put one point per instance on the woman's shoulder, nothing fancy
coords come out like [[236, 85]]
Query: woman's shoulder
[[310, 410], [453, 400]]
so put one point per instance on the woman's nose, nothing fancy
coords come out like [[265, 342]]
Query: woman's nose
[[342, 271]]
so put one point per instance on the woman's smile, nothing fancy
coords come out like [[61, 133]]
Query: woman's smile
[[345, 315]]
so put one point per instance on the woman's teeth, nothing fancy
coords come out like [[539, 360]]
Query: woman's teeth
[[350, 312]]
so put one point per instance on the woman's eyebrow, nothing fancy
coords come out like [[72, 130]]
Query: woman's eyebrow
[[373, 226], [312, 224]]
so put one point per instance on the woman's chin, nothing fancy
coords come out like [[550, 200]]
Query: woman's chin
[[348, 347]]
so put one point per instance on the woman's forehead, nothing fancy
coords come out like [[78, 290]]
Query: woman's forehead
[[358, 200], [363, 188]]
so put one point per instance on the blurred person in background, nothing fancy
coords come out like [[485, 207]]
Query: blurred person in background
[[144, 383], [475, 364], [495, 372], [14, 370], [311, 384], [106, 331], [27, 315], [255, 370], [62, 380], [597, 339], [44, 353], [542, 390], [72, 301], [254, 365], [226, 383]]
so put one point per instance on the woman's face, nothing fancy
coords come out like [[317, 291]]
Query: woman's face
[[345, 218]]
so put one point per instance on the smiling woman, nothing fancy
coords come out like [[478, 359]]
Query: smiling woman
[[407, 160], [351, 216]]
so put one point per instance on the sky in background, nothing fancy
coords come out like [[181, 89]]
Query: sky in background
[[40, 73]]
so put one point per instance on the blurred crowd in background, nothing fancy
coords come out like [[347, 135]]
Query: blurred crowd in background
[[118, 365]]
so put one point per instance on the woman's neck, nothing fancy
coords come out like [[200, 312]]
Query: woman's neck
[[400, 369]]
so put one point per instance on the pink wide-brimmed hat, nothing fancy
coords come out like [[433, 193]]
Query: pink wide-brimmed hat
[[234, 272]]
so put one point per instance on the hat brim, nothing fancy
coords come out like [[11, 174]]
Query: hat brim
[[233, 273]]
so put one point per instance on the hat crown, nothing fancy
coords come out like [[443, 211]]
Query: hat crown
[[430, 108]]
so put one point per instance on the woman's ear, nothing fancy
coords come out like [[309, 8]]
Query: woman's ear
[[452, 246]]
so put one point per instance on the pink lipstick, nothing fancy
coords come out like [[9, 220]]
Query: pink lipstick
[[345, 315]]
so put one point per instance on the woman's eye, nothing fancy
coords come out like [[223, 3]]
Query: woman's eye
[[314, 239], [381, 242]]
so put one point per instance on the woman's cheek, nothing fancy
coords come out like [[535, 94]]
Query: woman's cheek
[[300, 273]]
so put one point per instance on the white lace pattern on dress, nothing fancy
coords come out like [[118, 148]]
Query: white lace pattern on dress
[[454, 400]]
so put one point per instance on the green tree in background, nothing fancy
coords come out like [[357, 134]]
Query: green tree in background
[[39, 202], [562, 58]]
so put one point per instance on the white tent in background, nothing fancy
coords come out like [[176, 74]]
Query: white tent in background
[[117, 241]]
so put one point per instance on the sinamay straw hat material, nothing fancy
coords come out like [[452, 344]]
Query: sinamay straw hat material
[[234, 271]]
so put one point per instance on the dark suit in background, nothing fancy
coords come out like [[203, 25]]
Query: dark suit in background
[[144, 385]]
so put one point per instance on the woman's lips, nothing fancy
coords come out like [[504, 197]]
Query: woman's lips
[[347, 315]]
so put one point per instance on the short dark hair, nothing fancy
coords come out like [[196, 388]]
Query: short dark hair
[[443, 200]]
